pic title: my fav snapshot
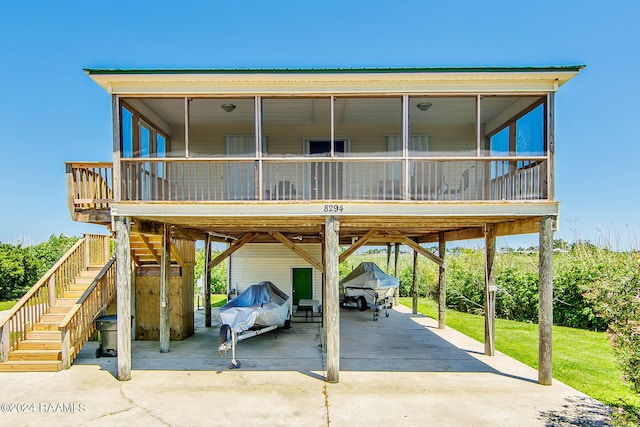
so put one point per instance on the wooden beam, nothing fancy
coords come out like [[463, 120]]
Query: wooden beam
[[507, 228], [522, 226], [293, 247], [489, 291], [358, 244], [545, 311], [135, 259], [231, 249], [416, 247], [452, 236], [442, 283], [332, 302], [149, 246], [123, 302], [165, 291], [206, 286], [176, 255], [151, 227]]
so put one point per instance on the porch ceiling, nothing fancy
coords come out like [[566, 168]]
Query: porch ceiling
[[307, 111]]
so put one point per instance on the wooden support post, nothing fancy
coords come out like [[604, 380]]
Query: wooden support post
[[87, 253], [489, 291], [165, 291], [324, 283], [132, 272], [332, 303], [123, 284], [51, 288], [65, 347], [396, 293], [414, 292], [545, 290], [388, 258], [4, 341], [105, 249], [442, 283], [206, 286]]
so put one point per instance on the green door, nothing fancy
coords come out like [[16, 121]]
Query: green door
[[302, 280]]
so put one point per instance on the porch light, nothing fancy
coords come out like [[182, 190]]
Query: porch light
[[228, 107], [424, 106]]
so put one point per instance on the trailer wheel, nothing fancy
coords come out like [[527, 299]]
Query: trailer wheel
[[225, 334], [235, 365], [287, 324], [361, 303]]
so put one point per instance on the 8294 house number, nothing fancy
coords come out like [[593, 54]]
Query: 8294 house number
[[333, 208]]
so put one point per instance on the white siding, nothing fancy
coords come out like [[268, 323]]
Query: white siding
[[255, 262]]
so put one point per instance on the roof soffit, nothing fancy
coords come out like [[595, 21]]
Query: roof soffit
[[266, 83]]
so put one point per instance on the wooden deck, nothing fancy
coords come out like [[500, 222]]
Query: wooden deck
[[458, 197]]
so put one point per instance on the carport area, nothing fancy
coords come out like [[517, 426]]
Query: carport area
[[400, 370]]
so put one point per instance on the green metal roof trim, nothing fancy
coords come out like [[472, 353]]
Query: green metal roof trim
[[566, 68]]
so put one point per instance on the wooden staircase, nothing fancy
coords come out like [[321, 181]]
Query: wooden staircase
[[46, 329], [41, 350]]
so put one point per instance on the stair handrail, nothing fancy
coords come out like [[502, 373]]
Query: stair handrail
[[38, 300], [78, 324]]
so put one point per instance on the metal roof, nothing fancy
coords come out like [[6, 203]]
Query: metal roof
[[565, 68]]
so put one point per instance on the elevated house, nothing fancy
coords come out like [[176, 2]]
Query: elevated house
[[306, 161]]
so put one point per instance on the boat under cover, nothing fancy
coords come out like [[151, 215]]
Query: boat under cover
[[368, 276], [260, 305]]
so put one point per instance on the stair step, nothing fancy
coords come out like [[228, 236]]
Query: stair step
[[66, 302], [34, 355], [78, 287], [53, 318], [59, 309], [31, 366], [73, 294], [40, 326], [50, 335], [30, 344]]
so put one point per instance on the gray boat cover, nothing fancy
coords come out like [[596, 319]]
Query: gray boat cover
[[262, 304], [369, 275]]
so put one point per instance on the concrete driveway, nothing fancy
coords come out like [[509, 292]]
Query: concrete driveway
[[400, 370]]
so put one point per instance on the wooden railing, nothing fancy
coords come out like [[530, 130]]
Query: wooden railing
[[336, 179], [79, 324], [305, 179], [89, 185], [37, 301]]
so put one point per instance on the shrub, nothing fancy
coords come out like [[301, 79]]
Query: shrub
[[18, 271], [517, 298], [218, 273], [618, 302]]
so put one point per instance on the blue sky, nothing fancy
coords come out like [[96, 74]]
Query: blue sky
[[51, 112]]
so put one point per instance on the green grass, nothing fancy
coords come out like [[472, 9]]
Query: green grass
[[582, 359], [7, 305], [218, 300]]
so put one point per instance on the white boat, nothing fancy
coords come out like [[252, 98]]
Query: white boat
[[260, 308], [367, 286]]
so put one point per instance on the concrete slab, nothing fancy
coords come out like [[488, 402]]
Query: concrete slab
[[400, 370]]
